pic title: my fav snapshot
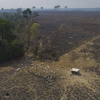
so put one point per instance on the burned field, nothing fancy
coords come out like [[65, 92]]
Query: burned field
[[64, 31], [75, 36]]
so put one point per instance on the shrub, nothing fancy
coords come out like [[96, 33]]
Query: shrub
[[35, 51], [53, 54], [40, 56]]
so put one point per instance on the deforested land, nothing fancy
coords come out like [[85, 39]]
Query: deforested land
[[66, 40]]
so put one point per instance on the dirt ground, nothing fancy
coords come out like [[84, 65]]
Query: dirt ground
[[52, 80]]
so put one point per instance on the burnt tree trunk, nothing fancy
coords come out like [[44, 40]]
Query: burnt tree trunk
[[2, 39], [27, 50]]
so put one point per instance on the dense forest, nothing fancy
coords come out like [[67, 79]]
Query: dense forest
[[16, 32]]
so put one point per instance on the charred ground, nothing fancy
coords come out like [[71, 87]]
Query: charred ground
[[67, 30]]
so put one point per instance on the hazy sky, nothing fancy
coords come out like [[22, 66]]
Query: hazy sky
[[49, 3]]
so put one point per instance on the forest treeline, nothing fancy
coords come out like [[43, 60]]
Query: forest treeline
[[15, 33]]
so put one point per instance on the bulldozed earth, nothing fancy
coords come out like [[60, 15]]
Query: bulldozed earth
[[75, 36]]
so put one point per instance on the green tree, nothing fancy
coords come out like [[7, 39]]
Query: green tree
[[34, 30], [27, 14], [6, 31], [10, 48], [29, 33]]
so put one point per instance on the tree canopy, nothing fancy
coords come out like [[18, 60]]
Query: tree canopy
[[34, 30], [10, 48], [27, 13], [6, 28]]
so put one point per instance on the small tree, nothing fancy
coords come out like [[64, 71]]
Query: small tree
[[2, 9], [33, 8], [55, 7], [58, 7], [65, 7], [34, 30], [42, 8]]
